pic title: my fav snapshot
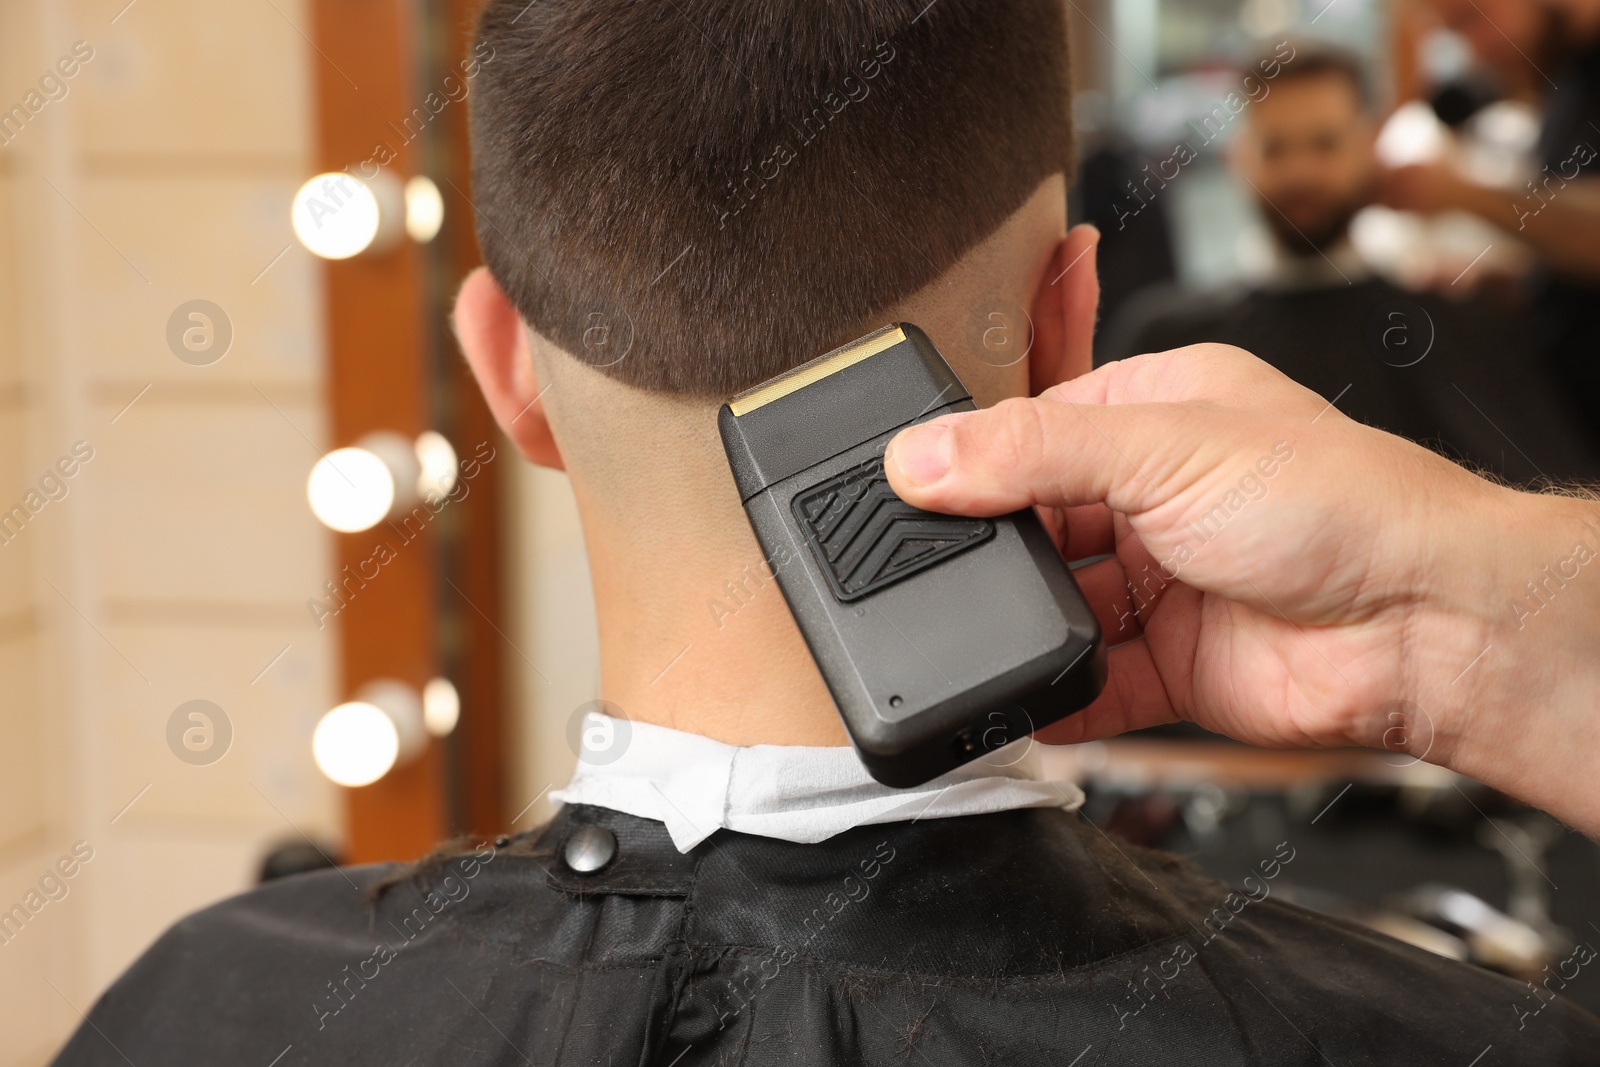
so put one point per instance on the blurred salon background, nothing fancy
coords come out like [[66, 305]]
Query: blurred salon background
[[274, 593]]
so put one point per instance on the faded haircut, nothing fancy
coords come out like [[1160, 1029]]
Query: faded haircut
[[695, 195]]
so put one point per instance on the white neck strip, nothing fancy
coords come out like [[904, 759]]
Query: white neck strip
[[697, 786]]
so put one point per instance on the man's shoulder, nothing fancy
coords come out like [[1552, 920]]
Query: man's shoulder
[[1027, 934], [1295, 980], [314, 960], [224, 959], [323, 908], [1034, 933]]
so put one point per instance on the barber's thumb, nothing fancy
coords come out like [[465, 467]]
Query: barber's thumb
[[1017, 453], [922, 454], [924, 464]]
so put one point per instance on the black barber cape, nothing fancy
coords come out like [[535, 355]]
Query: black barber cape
[[1024, 937]]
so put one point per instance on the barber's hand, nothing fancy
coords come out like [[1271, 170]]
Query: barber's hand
[[1427, 188], [1284, 575]]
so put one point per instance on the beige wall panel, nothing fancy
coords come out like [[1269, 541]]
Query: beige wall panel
[[186, 540], [34, 1018], [552, 608], [265, 780], [21, 800], [192, 77], [158, 878], [23, 59], [10, 354], [206, 504], [206, 237], [16, 583]]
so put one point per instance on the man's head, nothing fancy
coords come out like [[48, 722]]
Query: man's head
[[679, 200], [1307, 149], [726, 190]]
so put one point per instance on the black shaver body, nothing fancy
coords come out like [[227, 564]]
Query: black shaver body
[[940, 637]]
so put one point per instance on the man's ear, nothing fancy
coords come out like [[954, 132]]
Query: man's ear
[[496, 345], [1066, 299]]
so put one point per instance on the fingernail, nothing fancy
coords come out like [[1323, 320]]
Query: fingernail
[[922, 453]]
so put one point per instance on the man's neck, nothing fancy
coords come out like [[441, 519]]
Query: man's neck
[[694, 633], [710, 650]]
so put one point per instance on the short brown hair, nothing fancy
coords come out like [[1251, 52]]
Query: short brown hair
[[733, 187], [1318, 59]]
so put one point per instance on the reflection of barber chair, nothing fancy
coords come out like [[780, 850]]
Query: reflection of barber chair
[[1522, 843], [1412, 850], [296, 857], [1488, 936]]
